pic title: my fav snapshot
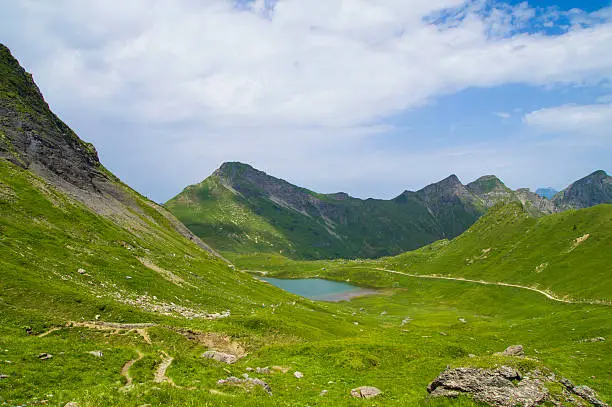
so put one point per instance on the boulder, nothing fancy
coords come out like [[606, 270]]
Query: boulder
[[514, 350], [494, 387], [365, 392], [220, 356]]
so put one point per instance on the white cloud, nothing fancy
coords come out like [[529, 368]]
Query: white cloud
[[327, 62], [587, 120], [294, 85], [503, 115]]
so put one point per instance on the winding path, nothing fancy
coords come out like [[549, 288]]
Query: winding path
[[160, 374], [125, 370], [547, 295]]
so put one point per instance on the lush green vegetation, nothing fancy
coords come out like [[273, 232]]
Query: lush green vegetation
[[46, 237]]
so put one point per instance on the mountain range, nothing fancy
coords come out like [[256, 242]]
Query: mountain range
[[241, 209]]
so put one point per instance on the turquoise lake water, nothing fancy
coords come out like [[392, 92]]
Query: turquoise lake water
[[319, 289]]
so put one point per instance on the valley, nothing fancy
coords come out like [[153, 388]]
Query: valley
[[107, 299]]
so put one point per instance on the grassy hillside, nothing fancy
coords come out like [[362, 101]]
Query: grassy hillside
[[249, 221], [568, 253]]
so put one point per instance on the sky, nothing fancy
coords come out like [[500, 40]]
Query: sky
[[368, 97]]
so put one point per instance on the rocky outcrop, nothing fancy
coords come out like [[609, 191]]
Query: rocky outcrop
[[248, 383], [494, 387], [507, 387]]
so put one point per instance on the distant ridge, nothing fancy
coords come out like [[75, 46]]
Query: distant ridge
[[242, 209]]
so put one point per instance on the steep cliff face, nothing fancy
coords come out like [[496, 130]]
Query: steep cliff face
[[33, 137]]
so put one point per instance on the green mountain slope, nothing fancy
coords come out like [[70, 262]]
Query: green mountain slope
[[566, 253], [239, 209]]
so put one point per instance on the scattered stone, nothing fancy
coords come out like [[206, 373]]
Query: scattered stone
[[365, 392], [297, 374], [323, 393], [220, 356], [96, 353], [462, 320], [249, 383], [282, 369], [355, 323], [443, 334], [72, 404], [471, 355], [81, 271], [262, 370], [406, 321], [383, 313], [45, 356], [514, 350], [597, 339], [4, 376]]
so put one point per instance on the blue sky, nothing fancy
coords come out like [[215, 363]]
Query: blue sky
[[361, 96]]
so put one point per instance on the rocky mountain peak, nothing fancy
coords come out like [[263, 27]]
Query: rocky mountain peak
[[591, 190], [449, 187], [33, 137]]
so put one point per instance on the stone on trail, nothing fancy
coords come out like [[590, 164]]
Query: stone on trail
[[365, 392], [220, 356], [514, 350]]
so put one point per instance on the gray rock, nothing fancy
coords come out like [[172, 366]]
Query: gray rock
[[514, 350], [96, 353], [4, 376], [365, 392], [323, 393], [45, 356], [589, 395], [297, 374], [220, 356], [494, 387], [248, 382]]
